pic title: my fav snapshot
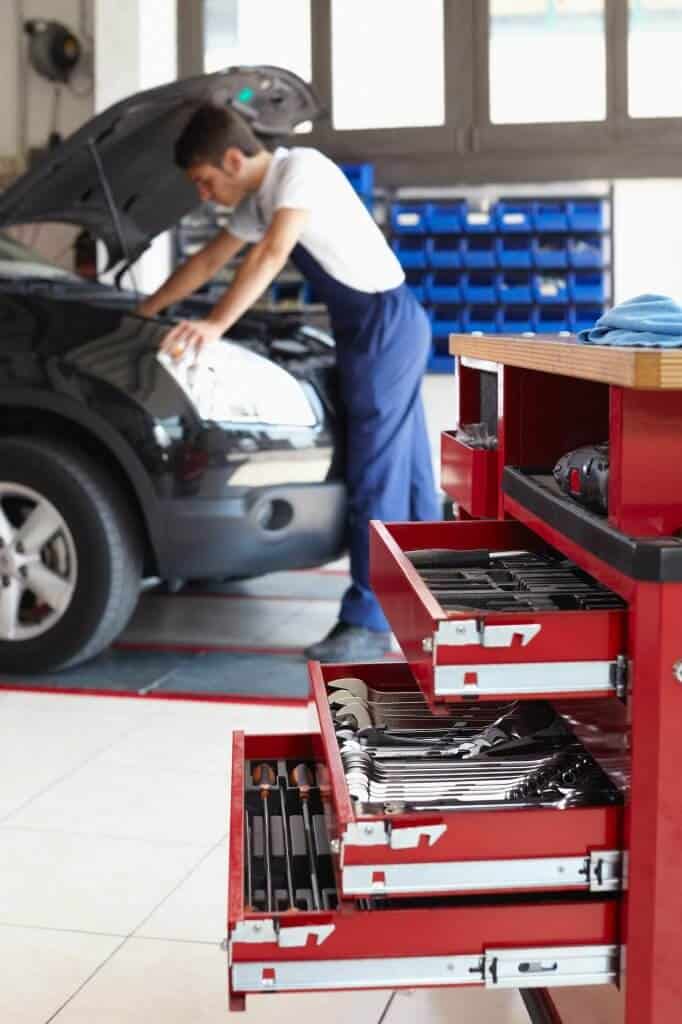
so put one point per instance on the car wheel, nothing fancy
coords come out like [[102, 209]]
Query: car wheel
[[70, 556]]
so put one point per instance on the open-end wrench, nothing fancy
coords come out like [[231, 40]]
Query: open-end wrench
[[301, 777], [264, 777]]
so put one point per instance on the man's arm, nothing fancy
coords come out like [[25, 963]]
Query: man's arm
[[198, 269], [261, 266]]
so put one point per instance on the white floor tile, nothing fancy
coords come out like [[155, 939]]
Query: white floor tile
[[185, 983], [599, 1004], [120, 801], [197, 910], [457, 1006], [88, 883], [42, 969], [45, 738]]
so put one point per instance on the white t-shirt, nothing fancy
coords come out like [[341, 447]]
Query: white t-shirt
[[340, 232]]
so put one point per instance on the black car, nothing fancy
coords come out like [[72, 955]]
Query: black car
[[115, 464]]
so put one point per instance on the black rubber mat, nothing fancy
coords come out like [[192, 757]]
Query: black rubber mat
[[207, 673]]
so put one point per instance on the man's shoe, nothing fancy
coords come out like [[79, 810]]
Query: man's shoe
[[350, 643]]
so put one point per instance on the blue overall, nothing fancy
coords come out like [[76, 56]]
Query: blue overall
[[382, 343]]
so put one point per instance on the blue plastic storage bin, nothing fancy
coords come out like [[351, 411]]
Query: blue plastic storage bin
[[479, 286], [550, 289], [479, 222], [481, 318], [411, 252], [550, 252], [514, 286], [440, 360], [445, 218], [514, 217], [445, 320], [550, 215], [587, 251], [514, 251], [517, 319], [409, 218], [582, 318], [416, 282], [586, 286], [444, 251], [479, 252], [552, 319], [443, 286], [585, 215], [361, 177]]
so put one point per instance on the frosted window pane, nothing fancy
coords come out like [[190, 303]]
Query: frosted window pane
[[258, 32], [655, 38], [387, 63], [547, 61]]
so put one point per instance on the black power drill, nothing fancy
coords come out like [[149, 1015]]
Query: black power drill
[[583, 474]]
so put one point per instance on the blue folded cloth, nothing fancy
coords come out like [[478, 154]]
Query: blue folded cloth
[[652, 321]]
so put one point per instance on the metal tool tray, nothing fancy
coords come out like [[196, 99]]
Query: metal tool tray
[[492, 943], [516, 849], [487, 654]]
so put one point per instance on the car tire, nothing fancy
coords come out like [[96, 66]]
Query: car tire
[[92, 562]]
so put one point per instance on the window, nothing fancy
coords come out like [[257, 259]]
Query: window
[[547, 61], [258, 32], [654, 42], [387, 64]]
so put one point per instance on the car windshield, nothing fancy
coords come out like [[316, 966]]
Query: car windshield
[[17, 260]]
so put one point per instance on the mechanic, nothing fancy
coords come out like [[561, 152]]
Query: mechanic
[[297, 204]]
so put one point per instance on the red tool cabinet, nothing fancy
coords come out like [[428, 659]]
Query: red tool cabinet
[[525, 897]]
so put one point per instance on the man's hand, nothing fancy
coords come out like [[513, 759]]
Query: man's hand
[[190, 337]]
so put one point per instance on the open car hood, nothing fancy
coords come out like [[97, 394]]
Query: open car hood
[[132, 143]]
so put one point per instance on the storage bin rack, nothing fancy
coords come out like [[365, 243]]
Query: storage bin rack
[[536, 265]]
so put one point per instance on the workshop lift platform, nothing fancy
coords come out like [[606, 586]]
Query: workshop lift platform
[[502, 809]]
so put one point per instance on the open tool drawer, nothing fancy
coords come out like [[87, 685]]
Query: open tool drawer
[[465, 648], [352, 944], [469, 476], [388, 847]]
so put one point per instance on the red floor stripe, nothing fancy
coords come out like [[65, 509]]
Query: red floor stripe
[[325, 572], [155, 695], [253, 597]]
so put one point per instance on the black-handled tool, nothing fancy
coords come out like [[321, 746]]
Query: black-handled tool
[[301, 777], [446, 558], [264, 777], [287, 844], [249, 871]]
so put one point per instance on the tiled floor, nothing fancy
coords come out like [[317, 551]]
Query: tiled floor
[[113, 819]]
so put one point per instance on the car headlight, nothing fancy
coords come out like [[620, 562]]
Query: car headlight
[[230, 384]]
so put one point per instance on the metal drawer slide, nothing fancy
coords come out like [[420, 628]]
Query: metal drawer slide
[[508, 968], [600, 872]]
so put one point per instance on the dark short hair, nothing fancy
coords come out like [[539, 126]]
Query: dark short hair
[[209, 132]]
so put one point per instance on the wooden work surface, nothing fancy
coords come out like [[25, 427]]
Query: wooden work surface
[[657, 369]]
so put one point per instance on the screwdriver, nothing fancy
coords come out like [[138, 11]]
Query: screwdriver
[[264, 777], [301, 777], [249, 874], [287, 843]]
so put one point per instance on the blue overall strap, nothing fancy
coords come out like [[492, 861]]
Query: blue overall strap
[[382, 344]]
